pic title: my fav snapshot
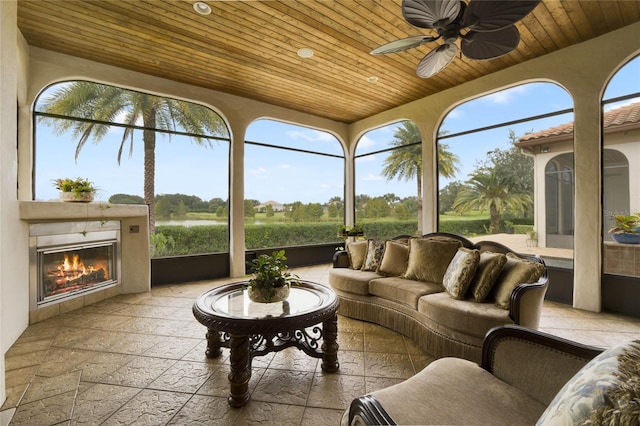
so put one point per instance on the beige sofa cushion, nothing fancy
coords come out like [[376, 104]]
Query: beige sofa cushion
[[487, 273], [350, 280], [460, 272], [516, 271], [394, 259], [402, 290], [453, 391], [357, 251], [464, 316], [429, 258]]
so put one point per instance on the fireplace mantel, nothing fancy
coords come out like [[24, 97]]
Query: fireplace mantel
[[135, 259]]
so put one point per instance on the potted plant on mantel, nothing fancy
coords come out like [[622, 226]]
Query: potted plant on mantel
[[627, 229], [272, 279], [77, 190]]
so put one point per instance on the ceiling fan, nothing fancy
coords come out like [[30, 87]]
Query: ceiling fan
[[491, 34]]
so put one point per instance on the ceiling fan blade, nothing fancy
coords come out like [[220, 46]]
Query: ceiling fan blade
[[436, 60], [403, 44], [426, 13], [492, 15], [491, 45]]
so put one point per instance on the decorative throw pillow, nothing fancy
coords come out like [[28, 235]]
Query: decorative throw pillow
[[375, 248], [460, 272], [486, 274], [606, 391], [516, 271], [429, 258], [394, 259], [357, 251]]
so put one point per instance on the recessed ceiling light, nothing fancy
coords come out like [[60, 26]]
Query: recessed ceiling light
[[305, 52], [372, 79], [202, 8]]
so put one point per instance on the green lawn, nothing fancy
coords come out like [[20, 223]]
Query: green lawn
[[454, 217]]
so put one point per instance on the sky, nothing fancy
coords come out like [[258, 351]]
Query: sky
[[284, 176]]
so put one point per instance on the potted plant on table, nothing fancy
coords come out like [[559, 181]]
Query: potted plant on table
[[627, 229], [79, 189], [272, 279]]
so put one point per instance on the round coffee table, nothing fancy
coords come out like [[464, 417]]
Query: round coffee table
[[249, 329]]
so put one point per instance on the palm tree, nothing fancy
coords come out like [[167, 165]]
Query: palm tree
[[406, 161], [97, 104], [487, 190]]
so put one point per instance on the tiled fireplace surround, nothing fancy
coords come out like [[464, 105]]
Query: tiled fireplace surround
[[135, 272]]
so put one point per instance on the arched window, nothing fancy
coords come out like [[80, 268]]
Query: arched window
[[139, 148], [294, 185], [388, 181]]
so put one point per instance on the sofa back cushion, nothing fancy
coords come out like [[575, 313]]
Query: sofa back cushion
[[488, 270], [394, 259], [375, 248], [605, 391], [357, 251], [516, 271], [460, 272], [429, 258]]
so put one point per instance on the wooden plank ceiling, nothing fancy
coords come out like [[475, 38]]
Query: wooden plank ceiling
[[248, 48]]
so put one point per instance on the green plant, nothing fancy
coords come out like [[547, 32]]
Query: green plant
[[271, 272], [351, 230], [626, 224], [77, 186], [161, 244]]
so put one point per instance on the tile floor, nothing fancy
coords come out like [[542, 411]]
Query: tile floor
[[139, 360]]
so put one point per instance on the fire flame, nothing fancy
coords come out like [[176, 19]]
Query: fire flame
[[73, 267]]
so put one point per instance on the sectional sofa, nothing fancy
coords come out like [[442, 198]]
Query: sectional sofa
[[440, 290]]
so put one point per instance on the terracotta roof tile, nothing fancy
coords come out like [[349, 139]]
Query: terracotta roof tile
[[625, 115]]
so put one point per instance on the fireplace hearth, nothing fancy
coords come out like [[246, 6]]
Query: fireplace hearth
[[69, 259]]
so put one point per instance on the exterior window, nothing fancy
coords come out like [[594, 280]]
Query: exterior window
[[621, 172], [294, 186], [139, 148], [513, 183], [388, 181]]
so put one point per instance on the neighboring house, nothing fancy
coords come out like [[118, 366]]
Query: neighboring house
[[276, 206], [555, 178]]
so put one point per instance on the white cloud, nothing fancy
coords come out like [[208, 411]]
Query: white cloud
[[260, 171], [285, 166], [311, 135], [505, 96], [456, 113], [366, 142]]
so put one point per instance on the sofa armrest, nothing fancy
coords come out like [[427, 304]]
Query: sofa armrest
[[526, 301], [537, 363], [367, 410], [341, 259]]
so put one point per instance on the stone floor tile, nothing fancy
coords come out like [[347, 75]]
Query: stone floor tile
[[103, 364], [149, 407], [351, 363], [135, 344], [260, 413], [191, 329], [388, 365], [384, 342], [321, 417], [293, 359], [25, 347], [373, 384], [335, 391], [218, 382], [96, 402], [97, 340], [173, 347], [350, 325], [184, 376], [45, 387], [206, 410], [24, 360], [160, 327], [13, 396], [198, 354], [348, 341], [281, 386], [45, 412], [63, 360], [140, 372]]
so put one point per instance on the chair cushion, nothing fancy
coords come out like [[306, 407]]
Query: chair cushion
[[456, 391], [375, 248], [357, 251], [402, 290], [487, 273], [429, 258], [394, 259], [516, 271], [458, 276], [464, 316], [606, 391], [351, 281]]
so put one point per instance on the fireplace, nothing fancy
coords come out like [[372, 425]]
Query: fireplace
[[69, 259]]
